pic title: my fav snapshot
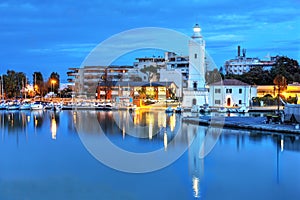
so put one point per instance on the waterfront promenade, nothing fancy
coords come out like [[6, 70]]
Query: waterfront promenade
[[243, 122]]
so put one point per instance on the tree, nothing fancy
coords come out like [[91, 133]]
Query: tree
[[14, 82], [281, 83], [39, 84], [151, 72], [287, 67], [135, 78], [284, 66]]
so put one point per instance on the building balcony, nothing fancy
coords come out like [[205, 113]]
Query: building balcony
[[71, 80], [71, 73]]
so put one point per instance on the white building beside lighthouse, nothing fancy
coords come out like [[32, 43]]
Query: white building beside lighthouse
[[196, 94]]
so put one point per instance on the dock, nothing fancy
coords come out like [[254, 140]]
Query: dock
[[249, 123]]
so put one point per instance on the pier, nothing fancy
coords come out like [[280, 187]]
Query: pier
[[249, 123]]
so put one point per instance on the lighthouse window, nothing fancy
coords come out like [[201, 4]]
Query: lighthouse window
[[195, 55]]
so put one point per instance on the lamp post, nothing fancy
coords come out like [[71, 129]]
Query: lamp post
[[52, 86]]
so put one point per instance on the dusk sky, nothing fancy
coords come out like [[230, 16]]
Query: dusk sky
[[54, 35]]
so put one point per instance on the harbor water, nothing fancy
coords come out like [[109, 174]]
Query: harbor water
[[61, 155]]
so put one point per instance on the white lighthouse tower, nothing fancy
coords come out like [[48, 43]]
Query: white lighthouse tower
[[196, 94]]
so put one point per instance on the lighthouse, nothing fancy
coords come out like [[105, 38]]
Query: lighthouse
[[196, 93]]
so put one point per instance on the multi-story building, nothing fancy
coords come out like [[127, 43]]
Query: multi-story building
[[158, 62], [176, 70], [231, 92], [84, 81], [125, 90], [241, 64], [292, 91]]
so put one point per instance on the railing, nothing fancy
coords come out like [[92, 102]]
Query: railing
[[192, 92]]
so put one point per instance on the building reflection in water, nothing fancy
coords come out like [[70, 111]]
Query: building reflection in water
[[156, 127]]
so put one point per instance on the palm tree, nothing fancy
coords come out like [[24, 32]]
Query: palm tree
[[281, 83], [38, 83]]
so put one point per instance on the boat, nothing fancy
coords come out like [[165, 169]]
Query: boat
[[232, 110], [205, 109], [291, 112], [169, 109], [13, 105], [56, 108], [222, 110], [38, 105], [178, 109], [25, 106], [132, 108], [195, 109], [104, 106], [48, 106], [242, 109], [3, 105]]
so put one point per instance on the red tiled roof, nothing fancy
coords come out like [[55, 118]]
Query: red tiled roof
[[230, 82]]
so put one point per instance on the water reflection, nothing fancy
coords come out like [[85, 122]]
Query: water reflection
[[239, 158], [26, 122], [53, 128], [156, 126]]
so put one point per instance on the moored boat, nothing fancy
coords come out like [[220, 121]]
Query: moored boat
[[205, 108], [222, 110], [13, 105], [25, 106], [178, 109], [242, 109], [38, 105], [169, 109], [3, 105]]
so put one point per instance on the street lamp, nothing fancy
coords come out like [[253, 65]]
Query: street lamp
[[52, 83]]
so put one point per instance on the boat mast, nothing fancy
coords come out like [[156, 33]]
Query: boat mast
[[2, 87]]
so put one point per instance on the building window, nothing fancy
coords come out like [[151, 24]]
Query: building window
[[217, 90], [217, 101], [196, 56], [229, 91], [240, 101], [195, 85], [194, 102], [240, 91]]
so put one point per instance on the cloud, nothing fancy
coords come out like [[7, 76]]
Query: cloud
[[80, 49], [18, 7], [70, 29]]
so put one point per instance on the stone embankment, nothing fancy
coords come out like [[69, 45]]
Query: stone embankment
[[249, 123]]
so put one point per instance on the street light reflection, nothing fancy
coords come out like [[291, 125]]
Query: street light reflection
[[53, 128]]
